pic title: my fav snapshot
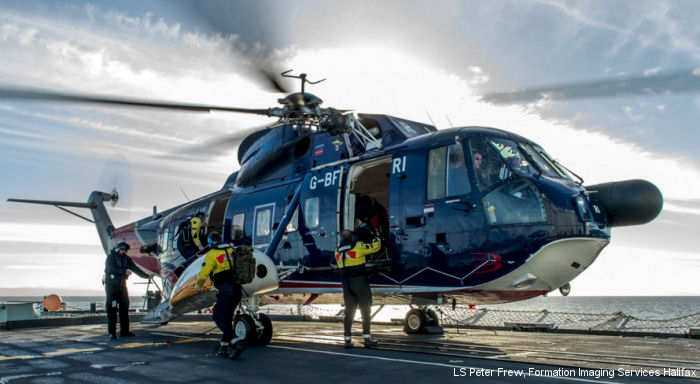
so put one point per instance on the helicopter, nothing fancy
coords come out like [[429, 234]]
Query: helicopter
[[471, 214]]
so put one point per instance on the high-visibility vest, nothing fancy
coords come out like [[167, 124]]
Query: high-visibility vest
[[356, 255], [195, 226]]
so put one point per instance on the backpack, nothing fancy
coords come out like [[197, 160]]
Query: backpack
[[243, 264]]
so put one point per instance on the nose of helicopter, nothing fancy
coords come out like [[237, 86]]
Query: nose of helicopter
[[629, 202]]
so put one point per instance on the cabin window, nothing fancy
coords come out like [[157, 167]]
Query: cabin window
[[311, 212], [164, 239], [293, 222], [263, 221], [447, 172], [237, 228], [516, 202]]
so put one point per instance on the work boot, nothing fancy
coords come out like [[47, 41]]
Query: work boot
[[223, 350], [369, 343], [238, 348]]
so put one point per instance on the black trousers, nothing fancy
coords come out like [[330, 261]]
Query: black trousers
[[227, 299], [117, 299], [356, 292]]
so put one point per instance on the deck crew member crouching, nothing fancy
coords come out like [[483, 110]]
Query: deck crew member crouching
[[350, 258]]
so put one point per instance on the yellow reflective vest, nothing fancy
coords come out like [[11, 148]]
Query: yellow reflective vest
[[215, 262], [195, 226], [356, 255]]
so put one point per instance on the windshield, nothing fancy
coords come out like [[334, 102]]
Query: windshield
[[560, 170], [512, 155], [542, 163]]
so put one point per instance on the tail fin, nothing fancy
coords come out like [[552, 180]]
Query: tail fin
[[105, 228]]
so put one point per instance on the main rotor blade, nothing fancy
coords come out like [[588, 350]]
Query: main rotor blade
[[255, 27], [272, 74], [662, 84], [217, 146], [54, 96]]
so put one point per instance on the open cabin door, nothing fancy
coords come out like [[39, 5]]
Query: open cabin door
[[320, 218]]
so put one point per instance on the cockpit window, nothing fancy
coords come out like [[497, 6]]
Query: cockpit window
[[560, 170], [487, 163], [541, 162], [516, 202], [511, 154]]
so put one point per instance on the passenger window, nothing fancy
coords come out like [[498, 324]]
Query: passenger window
[[436, 173], [447, 172], [516, 202], [263, 220], [292, 226], [311, 212], [457, 177], [237, 228], [164, 239]]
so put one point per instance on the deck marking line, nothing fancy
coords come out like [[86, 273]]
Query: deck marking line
[[428, 363]]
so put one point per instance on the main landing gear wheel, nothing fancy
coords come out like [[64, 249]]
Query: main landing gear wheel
[[415, 321], [244, 328], [433, 319], [418, 320], [265, 334]]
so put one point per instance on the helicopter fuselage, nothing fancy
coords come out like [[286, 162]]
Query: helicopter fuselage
[[513, 227]]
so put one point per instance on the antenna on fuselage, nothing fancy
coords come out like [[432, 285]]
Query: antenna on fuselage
[[183, 192], [430, 118]]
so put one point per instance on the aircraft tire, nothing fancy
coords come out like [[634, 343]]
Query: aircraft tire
[[415, 321], [264, 337], [433, 319], [244, 326]]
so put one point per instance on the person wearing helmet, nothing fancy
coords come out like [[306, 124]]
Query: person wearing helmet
[[218, 263], [350, 259], [197, 228], [116, 272]]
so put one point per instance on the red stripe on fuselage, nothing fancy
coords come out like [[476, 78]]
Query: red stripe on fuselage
[[128, 233]]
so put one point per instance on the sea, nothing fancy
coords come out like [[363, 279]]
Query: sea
[[641, 307]]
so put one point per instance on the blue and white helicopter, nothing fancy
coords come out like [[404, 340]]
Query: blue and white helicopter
[[469, 215]]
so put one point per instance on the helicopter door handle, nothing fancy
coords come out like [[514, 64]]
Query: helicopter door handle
[[416, 221]]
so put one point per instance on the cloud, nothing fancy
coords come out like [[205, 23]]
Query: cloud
[[651, 71]]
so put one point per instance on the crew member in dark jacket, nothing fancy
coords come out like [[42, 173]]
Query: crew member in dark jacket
[[350, 258], [116, 274]]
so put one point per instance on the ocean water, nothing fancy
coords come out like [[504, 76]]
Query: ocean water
[[643, 307]]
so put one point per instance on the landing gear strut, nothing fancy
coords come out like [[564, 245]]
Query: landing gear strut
[[420, 320]]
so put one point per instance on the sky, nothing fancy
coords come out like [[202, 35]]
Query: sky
[[426, 61]]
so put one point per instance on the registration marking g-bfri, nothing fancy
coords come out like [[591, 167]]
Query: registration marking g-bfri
[[398, 165], [327, 180]]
